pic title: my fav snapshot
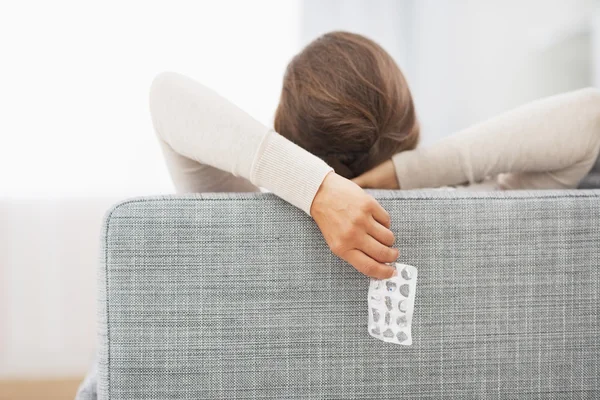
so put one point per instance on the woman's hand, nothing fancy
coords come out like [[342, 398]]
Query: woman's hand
[[382, 176], [355, 226]]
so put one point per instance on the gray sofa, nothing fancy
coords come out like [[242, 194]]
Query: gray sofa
[[238, 296]]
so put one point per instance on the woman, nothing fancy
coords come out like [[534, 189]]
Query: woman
[[346, 113]]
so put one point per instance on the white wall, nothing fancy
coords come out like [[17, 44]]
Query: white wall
[[467, 60], [76, 136], [596, 44], [48, 260], [389, 22], [476, 59], [75, 78]]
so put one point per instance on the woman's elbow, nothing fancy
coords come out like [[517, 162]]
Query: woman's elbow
[[161, 93], [591, 100], [160, 88], [583, 106], [590, 106]]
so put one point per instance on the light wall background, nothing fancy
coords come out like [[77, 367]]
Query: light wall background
[[468, 60], [76, 75], [76, 134]]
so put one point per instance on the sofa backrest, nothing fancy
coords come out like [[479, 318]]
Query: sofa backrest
[[238, 296]]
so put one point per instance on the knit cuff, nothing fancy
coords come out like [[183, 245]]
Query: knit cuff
[[289, 171]]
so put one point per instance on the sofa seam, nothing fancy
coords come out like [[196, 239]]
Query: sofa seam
[[200, 198], [106, 285], [106, 305]]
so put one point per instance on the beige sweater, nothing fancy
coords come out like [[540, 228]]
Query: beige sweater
[[547, 144], [210, 145]]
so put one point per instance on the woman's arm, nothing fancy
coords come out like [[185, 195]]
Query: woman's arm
[[552, 142], [201, 131], [204, 127], [189, 176], [549, 143]]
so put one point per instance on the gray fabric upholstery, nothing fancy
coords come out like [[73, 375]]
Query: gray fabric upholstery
[[238, 296]]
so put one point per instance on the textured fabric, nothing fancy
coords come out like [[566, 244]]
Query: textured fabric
[[550, 143], [237, 296], [205, 139]]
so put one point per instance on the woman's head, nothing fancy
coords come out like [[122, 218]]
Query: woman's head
[[345, 100]]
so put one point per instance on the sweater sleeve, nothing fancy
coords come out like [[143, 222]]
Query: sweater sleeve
[[196, 123], [553, 141]]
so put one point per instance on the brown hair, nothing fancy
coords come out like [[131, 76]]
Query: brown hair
[[345, 100]]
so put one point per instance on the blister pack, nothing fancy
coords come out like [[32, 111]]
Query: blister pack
[[391, 305]]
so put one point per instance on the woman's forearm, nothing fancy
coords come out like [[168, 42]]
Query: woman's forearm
[[198, 124], [558, 133], [190, 176], [197, 127]]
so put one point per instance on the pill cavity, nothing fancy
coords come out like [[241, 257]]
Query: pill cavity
[[406, 274], [375, 331], [388, 303], [387, 318], [390, 286], [401, 336], [402, 321], [404, 290], [403, 305], [376, 315], [388, 333]]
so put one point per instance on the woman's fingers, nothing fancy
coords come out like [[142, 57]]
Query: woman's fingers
[[381, 215], [355, 226], [382, 234], [367, 265], [377, 251]]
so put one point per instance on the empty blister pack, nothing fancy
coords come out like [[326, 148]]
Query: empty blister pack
[[391, 305]]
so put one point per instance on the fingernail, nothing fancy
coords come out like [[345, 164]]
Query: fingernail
[[395, 273]]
